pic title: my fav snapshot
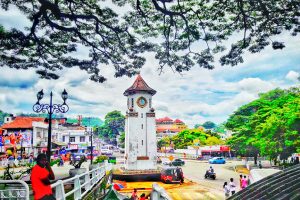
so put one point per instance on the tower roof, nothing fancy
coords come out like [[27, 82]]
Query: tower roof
[[139, 85]]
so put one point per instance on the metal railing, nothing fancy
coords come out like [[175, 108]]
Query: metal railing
[[13, 190], [83, 183], [159, 193]]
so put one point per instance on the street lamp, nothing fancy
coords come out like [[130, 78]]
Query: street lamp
[[50, 109], [90, 133]]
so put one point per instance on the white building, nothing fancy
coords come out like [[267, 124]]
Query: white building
[[140, 133]]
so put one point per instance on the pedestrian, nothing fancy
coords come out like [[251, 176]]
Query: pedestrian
[[241, 178], [143, 197], [232, 186], [134, 195], [179, 175], [41, 175], [226, 190], [244, 182]]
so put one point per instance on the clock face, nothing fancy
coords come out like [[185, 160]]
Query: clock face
[[142, 102]]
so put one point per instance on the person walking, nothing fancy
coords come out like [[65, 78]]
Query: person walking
[[244, 182], [226, 190], [134, 195], [232, 186], [241, 178], [41, 175]]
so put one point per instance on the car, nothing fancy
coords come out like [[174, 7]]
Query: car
[[217, 160], [177, 162], [106, 150], [77, 156], [169, 175]]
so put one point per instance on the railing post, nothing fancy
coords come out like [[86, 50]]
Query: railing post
[[93, 175], [60, 191], [77, 187], [87, 181]]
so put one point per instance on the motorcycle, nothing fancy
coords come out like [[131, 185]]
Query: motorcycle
[[211, 175]]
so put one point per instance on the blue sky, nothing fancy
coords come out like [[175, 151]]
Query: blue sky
[[194, 97]]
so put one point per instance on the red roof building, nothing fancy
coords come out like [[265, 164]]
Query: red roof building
[[22, 123], [167, 125], [139, 85]]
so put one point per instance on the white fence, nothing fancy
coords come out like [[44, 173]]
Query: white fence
[[17, 189], [83, 183]]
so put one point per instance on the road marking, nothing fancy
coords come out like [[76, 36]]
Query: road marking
[[210, 195]]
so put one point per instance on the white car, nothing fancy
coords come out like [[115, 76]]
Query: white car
[[106, 151]]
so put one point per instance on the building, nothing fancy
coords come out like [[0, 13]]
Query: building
[[24, 132], [76, 137], [140, 134], [168, 127]]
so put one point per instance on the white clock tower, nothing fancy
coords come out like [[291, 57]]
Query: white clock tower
[[140, 133]]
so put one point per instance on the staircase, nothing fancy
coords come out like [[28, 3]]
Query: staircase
[[284, 185]]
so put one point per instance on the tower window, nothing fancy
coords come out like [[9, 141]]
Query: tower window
[[142, 126], [142, 142], [132, 102], [141, 115], [150, 103]]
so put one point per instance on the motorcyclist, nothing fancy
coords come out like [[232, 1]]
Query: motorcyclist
[[209, 171]]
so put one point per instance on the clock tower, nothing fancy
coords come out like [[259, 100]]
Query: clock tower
[[140, 133]]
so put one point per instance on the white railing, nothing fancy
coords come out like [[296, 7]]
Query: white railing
[[14, 191], [159, 193], [83, 183]]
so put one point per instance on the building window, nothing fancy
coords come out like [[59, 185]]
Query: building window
[[142, 126], [82, 139], [142, 142], [72, 139], [141, 115], [150, 103], [132, 104], [38, 134], [128, 102], [64, 138]]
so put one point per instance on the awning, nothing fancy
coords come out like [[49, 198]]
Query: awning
[[60, 143]]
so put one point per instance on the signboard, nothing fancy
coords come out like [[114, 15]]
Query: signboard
[[73, 146], [171, 158], [224, 148]]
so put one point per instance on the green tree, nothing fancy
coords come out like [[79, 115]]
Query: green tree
[[113, 125], [169, 28], [269, 125], [213, 141], [209, 125], [122, 140]]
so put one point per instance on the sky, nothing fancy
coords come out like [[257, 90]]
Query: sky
[[195, 96]]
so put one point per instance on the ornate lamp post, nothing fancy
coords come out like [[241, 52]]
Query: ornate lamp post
[[90, 133], [50, 109]]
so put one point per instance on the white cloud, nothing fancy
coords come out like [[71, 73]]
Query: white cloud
[[293, 76]]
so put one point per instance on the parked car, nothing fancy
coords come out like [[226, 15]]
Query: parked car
[[217, 160], [77, 156], [177, 162], [88, 156], [169, 175], [106, 150]]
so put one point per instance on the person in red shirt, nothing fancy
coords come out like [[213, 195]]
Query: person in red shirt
[[41, 175]]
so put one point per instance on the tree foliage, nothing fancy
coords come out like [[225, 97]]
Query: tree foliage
[[186, 138], [180, 33], [209, 125], [113, 125], [269, 125]]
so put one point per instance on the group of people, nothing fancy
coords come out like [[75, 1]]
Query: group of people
[[134, 196], [230, 189]]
